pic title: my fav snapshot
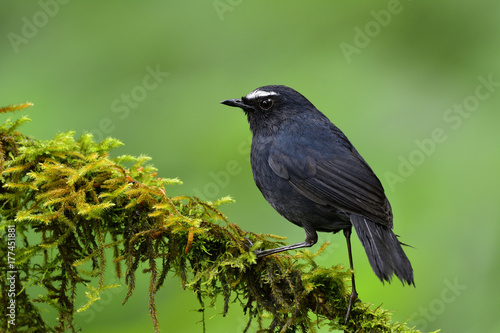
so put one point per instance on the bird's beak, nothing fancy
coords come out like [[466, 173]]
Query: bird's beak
[[237, 103]]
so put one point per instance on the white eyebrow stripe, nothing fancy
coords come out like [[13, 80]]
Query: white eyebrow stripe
[[260, 93]]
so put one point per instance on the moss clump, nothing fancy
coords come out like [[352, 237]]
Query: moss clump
[[71, 205]]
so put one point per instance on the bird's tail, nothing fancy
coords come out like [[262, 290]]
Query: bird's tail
[[384, 250]]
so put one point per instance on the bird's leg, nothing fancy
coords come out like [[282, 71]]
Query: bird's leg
[[264, 253], [311, 239], [354, 294]]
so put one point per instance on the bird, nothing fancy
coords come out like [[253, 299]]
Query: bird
[[311, 174]]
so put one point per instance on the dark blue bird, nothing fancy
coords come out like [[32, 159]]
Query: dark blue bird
[[307, 169]]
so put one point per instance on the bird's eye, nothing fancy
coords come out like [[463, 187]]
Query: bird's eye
[[266, 104]]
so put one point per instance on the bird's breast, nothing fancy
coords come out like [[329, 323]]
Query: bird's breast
[[285, 199]]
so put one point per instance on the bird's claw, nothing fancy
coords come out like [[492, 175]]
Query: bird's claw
[[258, 253], [352, 299], [249, 244]]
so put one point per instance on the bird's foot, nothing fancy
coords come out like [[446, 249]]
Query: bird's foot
[[247, 243], [260, 253], [352, 299]]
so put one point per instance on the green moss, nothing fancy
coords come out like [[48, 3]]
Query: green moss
[[82, 205]]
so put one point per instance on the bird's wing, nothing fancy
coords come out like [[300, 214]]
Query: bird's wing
[[342, 180]]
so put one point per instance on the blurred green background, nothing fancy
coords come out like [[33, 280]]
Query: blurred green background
[[415, 85]]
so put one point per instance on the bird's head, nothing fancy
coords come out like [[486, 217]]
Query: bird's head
[[268, 107]]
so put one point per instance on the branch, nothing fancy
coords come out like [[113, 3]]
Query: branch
[[71, 205]]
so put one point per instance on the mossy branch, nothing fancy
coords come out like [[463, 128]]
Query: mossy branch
[[71, 205]]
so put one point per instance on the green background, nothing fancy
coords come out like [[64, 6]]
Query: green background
[[392, 75]]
